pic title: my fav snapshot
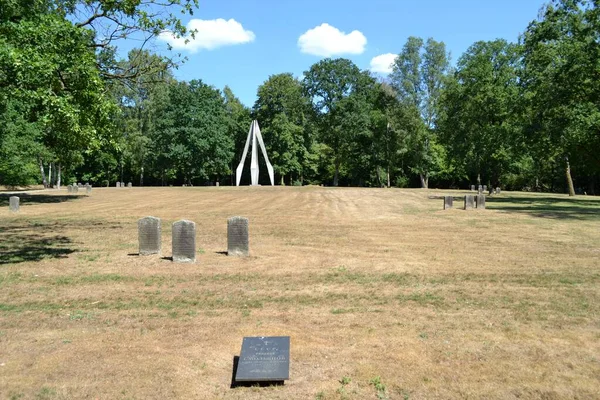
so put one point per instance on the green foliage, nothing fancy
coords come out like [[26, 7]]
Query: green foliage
[[521, 116], [281, 109], [479, 126], [418, 76], [561, 59], [338, 91], [19, 146], [190, 141]]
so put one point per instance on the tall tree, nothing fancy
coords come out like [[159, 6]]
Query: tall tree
[[480, 125], [418, 76], [190, 140], [329, 84], [561, 80], [239, 119], [48, 67], [281, 109]]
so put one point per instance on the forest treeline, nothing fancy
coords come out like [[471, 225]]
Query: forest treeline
[[522, 116]]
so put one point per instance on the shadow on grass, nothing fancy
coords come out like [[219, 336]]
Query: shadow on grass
[[38, 198], [548, 207], [17, 248]]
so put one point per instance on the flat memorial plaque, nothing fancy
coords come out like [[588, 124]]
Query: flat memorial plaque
[[264, 359]]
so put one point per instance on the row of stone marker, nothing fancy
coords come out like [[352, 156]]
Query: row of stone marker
[[471, 202], [484, 188], [122, 184], [75, 188], [184, 238]]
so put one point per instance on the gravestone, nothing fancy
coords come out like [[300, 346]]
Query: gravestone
[[237, 237], [149, 236], [122, 184], [491, 191], [79, 184], [118, 184], [481, 201], [217, 184], [497, 190], [448, 202], [264, 359], [469, 202], [129, 185], [75, 189], [69, 189], [472, 188], [485, 188], [13, 203], [88, 188], [184, 241], [480, 189]]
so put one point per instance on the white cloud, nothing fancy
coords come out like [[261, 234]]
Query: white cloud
[[383, 63], [210, 34], [326, 41]]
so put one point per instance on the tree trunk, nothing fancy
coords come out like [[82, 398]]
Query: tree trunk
[[58, 176], [282, 181], [337, 173], [142, 177], [44, 182], [388, 176], [570, 179], [424, 181], [49, 174]]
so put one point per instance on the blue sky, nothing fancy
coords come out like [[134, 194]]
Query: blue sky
[[255, 39]]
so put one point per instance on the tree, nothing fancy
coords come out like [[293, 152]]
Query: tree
[[239, 119], [417, 76], [281, 109], [190, 139], [334, 87], [479, 124], [561, 81], [48, 68]]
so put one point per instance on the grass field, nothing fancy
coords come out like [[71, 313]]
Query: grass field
[[384, 295]]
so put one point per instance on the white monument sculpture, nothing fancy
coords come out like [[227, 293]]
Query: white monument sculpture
[[254, 136]]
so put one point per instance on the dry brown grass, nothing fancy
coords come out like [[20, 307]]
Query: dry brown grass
[[378, 289]]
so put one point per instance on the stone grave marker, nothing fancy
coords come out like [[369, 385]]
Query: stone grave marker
[[472, 188], [448, 202], [118, 184], [237, 237], [481, 201], [88, 188], [497, 190], [13, 203], [69, 189], [469, 202], [480, 189], [149, 236], [75, 189], [129, 185], [217, 184], [264, 359], [184, 241], [485, 188]]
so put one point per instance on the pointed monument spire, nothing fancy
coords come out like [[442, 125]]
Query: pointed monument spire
[[254, 136]]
